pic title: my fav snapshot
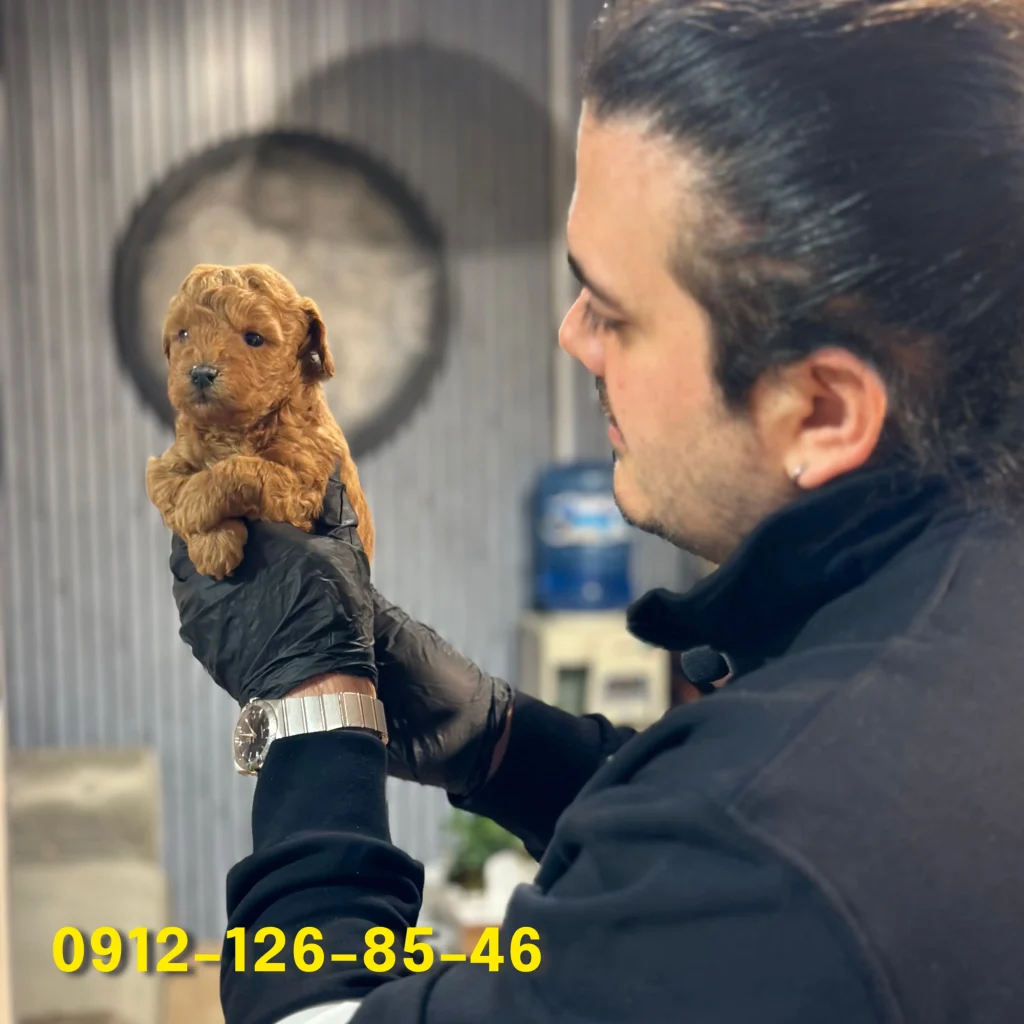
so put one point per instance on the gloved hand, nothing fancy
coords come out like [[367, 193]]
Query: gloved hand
[[298, 606], [445, 716]]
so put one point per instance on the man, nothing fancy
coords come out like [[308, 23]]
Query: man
[[798, 230]]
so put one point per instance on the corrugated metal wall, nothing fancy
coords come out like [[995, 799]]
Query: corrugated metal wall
[[104, 97]]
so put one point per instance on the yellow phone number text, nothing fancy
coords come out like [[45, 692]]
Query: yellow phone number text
[[112, 952]]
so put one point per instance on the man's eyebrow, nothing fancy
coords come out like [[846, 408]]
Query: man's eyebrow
[[605, 296]]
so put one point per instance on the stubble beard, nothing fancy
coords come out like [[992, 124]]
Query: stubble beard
[[696, 502], [706, 512]]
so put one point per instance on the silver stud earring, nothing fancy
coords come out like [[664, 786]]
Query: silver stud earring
[[797, 473]]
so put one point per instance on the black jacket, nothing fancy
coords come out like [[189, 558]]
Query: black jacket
[[835, 837]]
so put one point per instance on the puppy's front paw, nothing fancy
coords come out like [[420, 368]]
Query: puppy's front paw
[[299, 510], [192, 513], [309, 508], [210, 497], [218, 552]]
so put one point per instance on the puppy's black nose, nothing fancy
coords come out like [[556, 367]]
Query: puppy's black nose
[[203, 375]]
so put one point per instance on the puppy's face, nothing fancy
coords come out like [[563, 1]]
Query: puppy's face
[[241, 342]]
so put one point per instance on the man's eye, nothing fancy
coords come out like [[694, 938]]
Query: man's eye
[[182, 335], [252, 339], [595, 321]]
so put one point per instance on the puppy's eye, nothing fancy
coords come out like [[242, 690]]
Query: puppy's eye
[[252, 339], [182, 335]]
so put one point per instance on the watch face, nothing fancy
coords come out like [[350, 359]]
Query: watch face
[[257, 726]]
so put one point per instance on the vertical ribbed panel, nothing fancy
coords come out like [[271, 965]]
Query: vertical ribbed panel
[[104, 97]]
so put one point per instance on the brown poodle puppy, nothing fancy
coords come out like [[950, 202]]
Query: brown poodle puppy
[[254, 436]]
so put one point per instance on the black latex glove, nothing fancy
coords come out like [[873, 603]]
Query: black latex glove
[[445, 716], [299, 605]]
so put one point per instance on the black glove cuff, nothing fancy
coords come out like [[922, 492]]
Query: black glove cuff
[[502, 696]]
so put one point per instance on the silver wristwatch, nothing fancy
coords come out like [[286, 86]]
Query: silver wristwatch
[[263, 721]]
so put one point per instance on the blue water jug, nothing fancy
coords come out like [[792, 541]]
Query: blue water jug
[[581, 544]]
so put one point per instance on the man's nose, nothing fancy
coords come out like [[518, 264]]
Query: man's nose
[[580, 343], [203, 375]]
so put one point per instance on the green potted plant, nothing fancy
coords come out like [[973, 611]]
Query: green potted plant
[[475, 838]]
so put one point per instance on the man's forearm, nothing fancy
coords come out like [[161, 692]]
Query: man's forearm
[[552, 755], [322, 859], [546, 757]]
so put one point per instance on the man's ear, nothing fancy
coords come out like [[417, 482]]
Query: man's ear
[[317, 363]]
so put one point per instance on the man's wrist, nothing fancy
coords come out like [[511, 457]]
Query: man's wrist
[[334, 682], [501, 746]]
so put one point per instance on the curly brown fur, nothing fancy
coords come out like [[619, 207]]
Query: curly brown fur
[[254, 437]]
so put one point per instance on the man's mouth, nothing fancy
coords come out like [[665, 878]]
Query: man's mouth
[[602, 396]]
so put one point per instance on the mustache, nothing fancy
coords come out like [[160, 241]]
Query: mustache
[[602, 398]]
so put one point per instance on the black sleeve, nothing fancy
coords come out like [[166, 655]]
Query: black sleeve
[[550, 755], [646, 911], [322, 858]]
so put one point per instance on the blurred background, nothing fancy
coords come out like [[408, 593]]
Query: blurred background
[[408, 163]]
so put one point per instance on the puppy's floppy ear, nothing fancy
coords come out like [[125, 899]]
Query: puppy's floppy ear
[[317, 363], [165, 340]]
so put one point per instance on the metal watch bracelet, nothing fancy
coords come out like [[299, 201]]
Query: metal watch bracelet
[[327, 711]]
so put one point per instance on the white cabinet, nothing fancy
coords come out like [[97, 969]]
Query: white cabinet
[[587, 663]]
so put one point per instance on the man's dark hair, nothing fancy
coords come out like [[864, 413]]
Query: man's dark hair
[[861, 177]]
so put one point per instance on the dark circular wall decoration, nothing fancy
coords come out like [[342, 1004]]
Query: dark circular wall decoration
[[339, 224]]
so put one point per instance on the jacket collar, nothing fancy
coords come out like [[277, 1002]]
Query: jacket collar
[[794, 562]]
